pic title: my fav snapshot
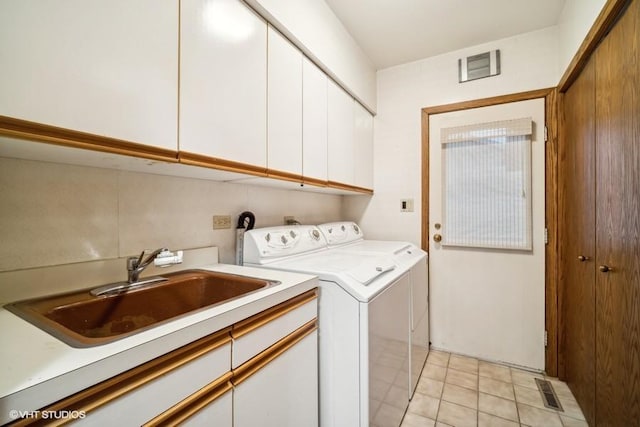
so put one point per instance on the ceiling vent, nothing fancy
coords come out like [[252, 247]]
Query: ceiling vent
[[479, 66]]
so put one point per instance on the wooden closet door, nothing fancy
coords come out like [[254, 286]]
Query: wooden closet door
[[618, 223], [577, 203]]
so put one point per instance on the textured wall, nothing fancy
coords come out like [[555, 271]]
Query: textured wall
[[54, 214]]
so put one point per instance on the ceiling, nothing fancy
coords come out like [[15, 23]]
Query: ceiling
[[393, 32]]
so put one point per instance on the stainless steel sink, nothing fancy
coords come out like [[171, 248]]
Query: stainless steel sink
[[83, 320]]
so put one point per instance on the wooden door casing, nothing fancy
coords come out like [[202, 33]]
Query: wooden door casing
[[577, 219], [618, 223]]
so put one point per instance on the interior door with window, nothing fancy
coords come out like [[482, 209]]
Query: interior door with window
[[486, 231]]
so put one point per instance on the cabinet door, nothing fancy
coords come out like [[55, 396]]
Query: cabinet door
[[223, 81], [314, 121], [218, 413], [284, 135], [257, 333], [282, 393], [617, 234], [107, 68], [577, 189], [153, 398], [340, 135], [363, 146]]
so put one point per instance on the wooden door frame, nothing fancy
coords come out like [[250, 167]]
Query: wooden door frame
[[551, 198]]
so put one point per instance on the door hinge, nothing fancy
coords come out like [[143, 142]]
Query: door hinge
[[546, 134], [545, 338], [546, 236]]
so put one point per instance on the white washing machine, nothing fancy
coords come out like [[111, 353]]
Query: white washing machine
[[364, 322], [348, 237]]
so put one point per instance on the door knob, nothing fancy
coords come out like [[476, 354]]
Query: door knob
[[605, 268], [437, 238], [583, 258]]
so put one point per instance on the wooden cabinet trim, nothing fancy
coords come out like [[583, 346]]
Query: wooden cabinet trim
[[38, 132], [315, 181], [113, 388], [349, 187], [284, 176], [32, 131], [254, 322], [194, 403], [194, 159], [246, 370]]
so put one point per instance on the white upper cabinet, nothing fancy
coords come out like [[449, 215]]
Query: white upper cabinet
[[284, 128], [340, 135], [363, 145], [108, 68], [223, 81], [314, 121]]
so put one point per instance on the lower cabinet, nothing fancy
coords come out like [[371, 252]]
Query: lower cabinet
[[277, 385], [184, 380], [274, 383], [292, 376], [218, 412]]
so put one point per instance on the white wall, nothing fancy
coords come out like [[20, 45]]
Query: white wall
[[575, 21], [313, 26], [529, 61], [55, 214]]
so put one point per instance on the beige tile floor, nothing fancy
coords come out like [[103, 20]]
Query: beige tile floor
[[461, 391]]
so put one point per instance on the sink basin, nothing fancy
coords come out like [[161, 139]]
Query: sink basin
[[83, 320]]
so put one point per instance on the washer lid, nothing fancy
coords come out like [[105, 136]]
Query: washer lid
[[390, 247], [404, 253], [366, 272], [362, 275]]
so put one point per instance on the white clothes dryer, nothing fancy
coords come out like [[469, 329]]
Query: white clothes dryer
[[364, 322], [348, 237]]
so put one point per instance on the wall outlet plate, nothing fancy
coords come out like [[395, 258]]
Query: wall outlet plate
[[221, 222]]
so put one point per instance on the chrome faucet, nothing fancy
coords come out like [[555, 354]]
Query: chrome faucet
[[135, 265]]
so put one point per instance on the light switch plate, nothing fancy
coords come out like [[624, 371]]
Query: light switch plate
[[406, 205]]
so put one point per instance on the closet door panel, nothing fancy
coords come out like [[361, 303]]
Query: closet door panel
[[618, 223], [578, 241]]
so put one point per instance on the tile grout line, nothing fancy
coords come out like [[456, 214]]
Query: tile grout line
[[444, 382], [511, 373], [478, 394], [515, 399]]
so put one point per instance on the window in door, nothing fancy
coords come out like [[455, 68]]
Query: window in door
[[487, 185]]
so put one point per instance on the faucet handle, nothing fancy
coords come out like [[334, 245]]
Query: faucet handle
[[133, 262]]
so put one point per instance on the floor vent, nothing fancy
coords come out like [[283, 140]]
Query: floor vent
[[549, 397]]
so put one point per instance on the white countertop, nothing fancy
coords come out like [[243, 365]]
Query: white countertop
[[37, 369]]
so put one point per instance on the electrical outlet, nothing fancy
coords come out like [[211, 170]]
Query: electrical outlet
[[221, 222], [406, 205]]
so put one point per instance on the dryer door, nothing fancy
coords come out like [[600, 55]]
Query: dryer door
[[419, 319], [389, 332]]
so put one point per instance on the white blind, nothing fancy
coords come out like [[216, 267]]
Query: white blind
[[487, 185]]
